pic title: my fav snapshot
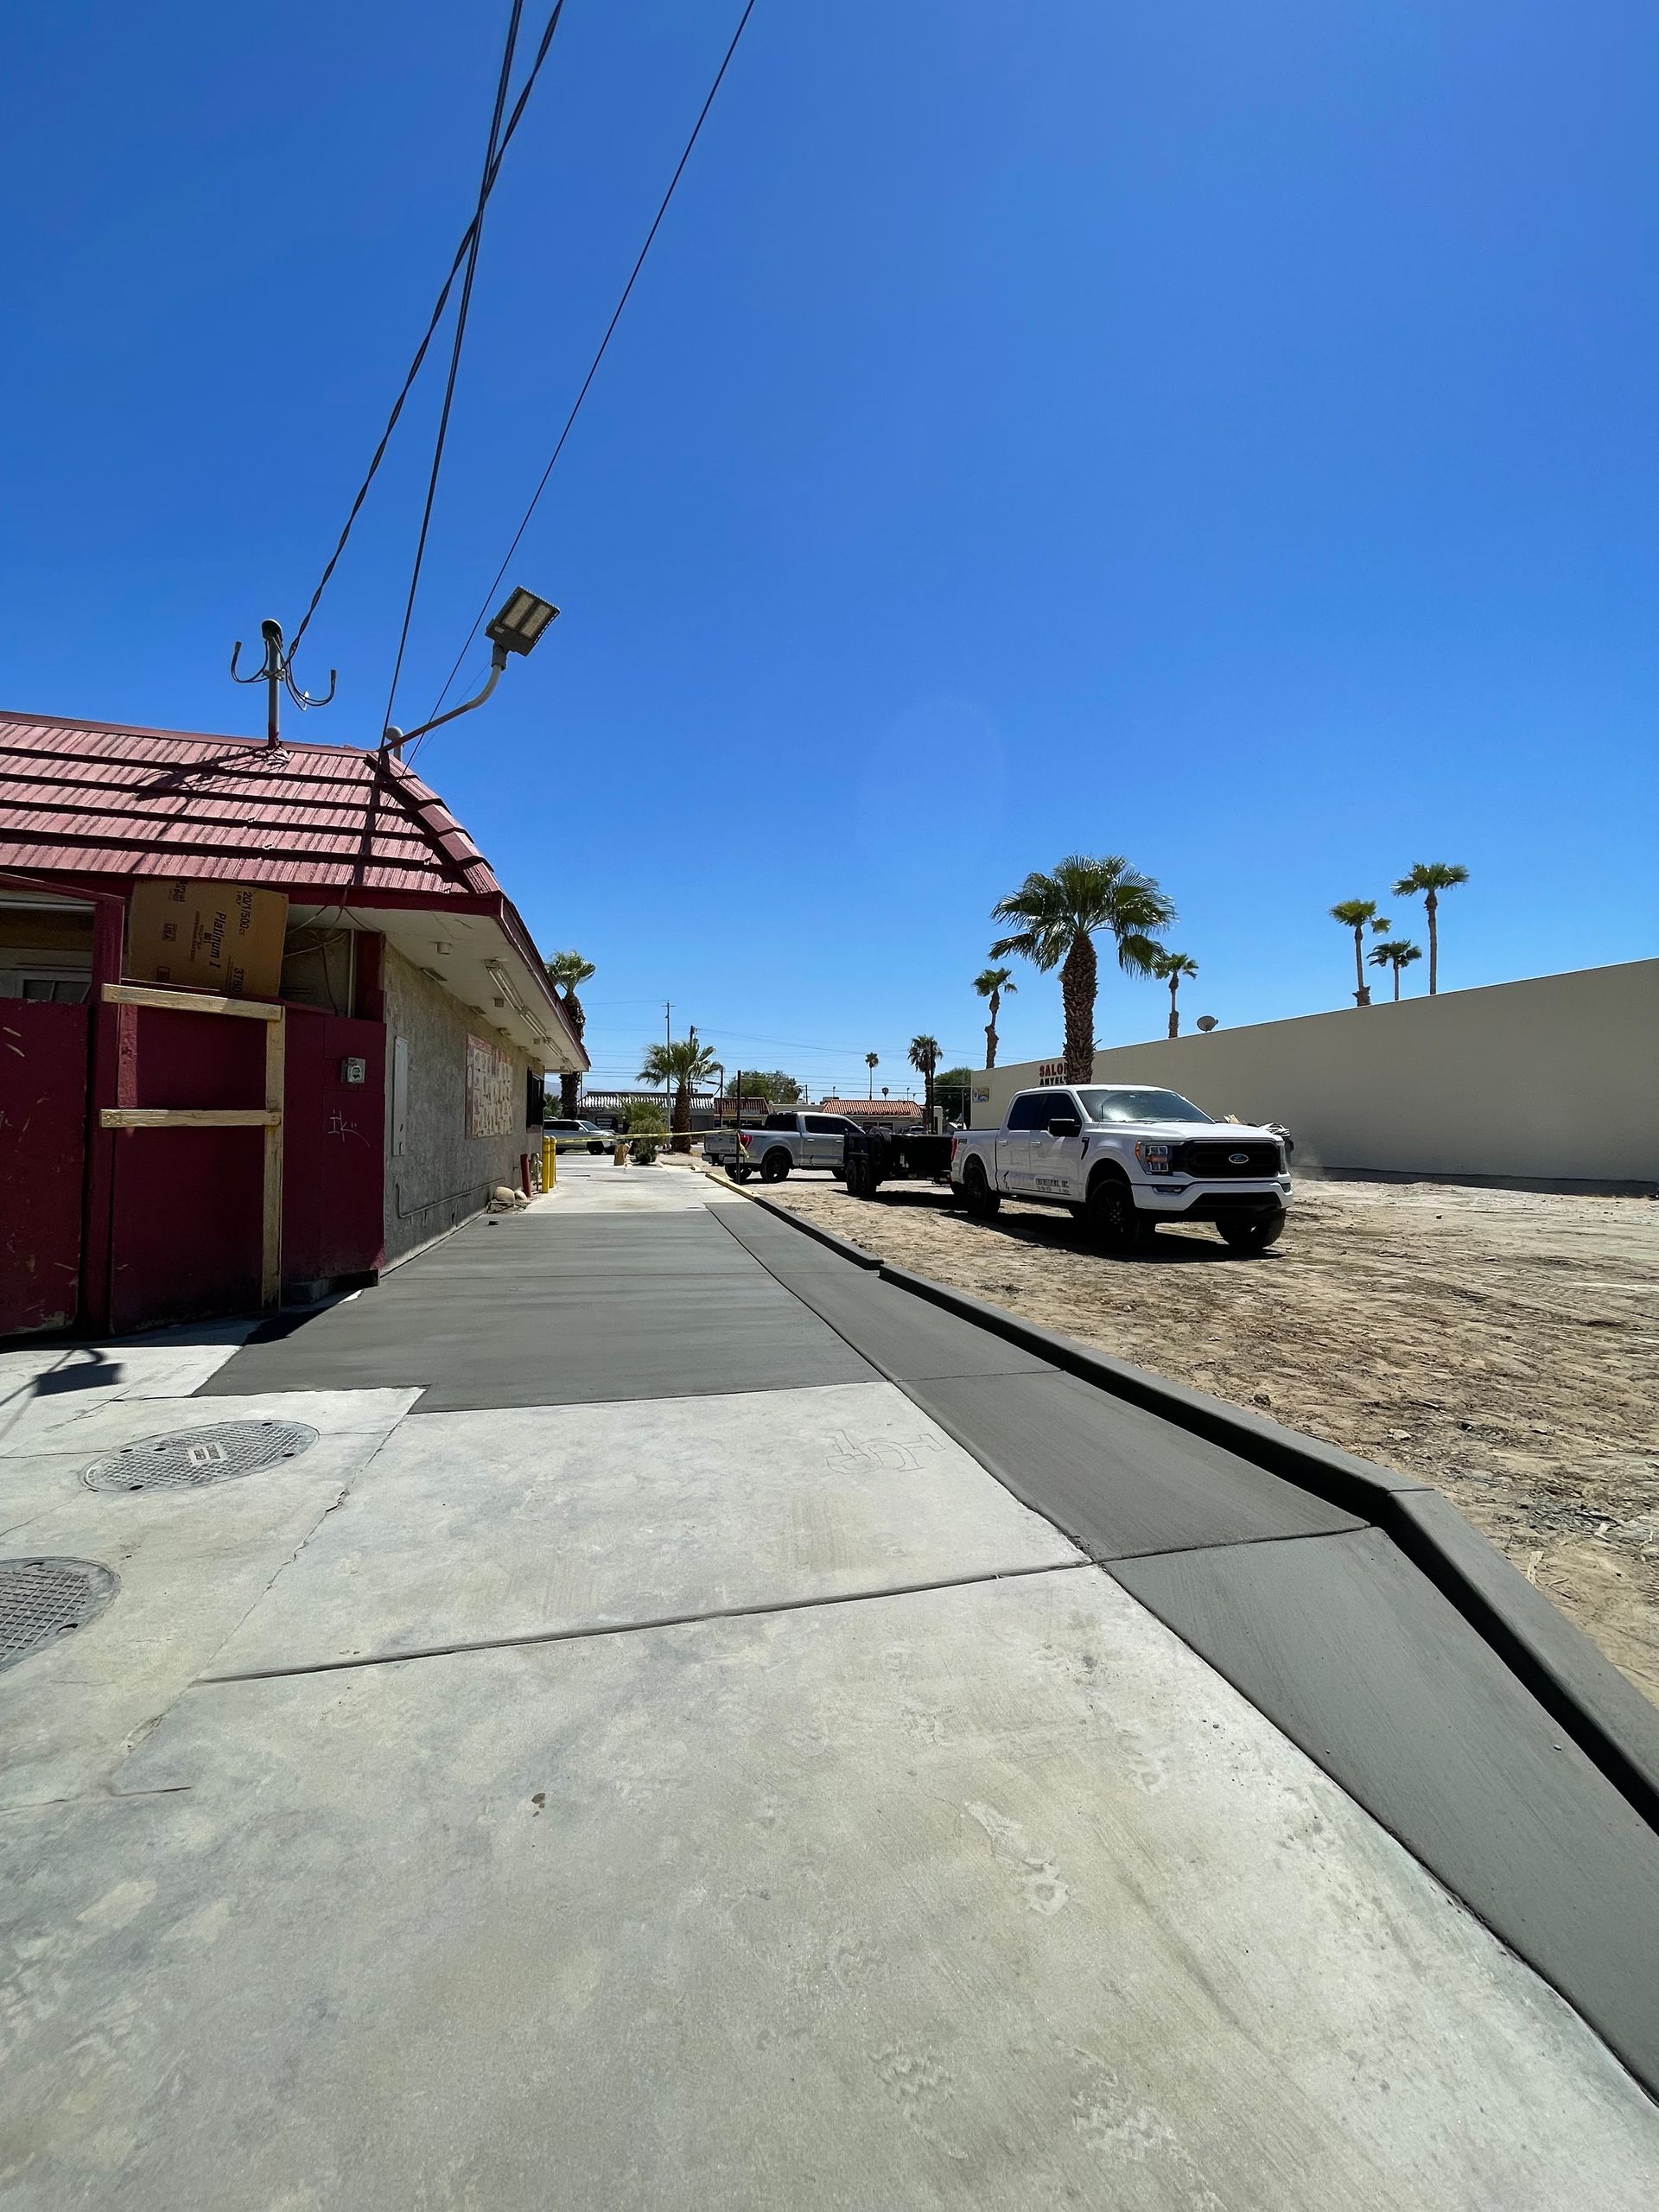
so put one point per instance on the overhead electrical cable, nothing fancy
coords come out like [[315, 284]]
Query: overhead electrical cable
[[489, 596], [463, 253], [454, 352]]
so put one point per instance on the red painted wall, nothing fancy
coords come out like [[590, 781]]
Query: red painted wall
[[42, 1158], [197, 1060], [186, 1204]]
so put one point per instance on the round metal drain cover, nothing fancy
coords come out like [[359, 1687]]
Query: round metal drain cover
[[190, 1458], [41, 1600]]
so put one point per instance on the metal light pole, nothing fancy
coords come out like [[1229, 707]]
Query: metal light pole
[[516, 629]]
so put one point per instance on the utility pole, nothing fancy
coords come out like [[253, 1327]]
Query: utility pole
[[668, 1039]]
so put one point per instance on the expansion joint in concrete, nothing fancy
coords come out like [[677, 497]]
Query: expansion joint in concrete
[[591, 1632]]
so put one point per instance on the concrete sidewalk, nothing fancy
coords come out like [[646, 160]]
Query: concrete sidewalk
[[637, 1758]]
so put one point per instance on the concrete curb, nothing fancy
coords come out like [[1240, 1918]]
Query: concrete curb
[[1356, 1485], [1607, 1717], [855, 1253]]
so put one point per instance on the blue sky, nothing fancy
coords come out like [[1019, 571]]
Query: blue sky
[[1220, 435]]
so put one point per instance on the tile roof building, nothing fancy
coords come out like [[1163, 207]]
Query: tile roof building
[[415, 1015], [872, 1110]]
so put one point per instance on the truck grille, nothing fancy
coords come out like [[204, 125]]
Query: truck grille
[[1250, 1158]]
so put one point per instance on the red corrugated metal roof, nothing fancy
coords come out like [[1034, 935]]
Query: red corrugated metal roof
[[871, 1110], [94, 798]]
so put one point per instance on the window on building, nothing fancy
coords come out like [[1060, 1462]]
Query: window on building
[[399, 1096]]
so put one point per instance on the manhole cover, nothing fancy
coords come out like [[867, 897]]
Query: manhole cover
[[190, 1458], [41, 1600]]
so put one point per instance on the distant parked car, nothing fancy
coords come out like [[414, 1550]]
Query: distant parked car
[[570, 1135]]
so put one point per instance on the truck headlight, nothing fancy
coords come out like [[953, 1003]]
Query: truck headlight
[[1154, 1157]]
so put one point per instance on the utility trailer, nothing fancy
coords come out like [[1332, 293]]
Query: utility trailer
[[875, 1156]]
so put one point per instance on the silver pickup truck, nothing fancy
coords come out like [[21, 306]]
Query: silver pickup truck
[[1123, 1157], [782, 1142]]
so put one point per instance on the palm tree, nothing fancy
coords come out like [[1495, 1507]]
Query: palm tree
[[682, 1063], [1395, 953], [1354, 914], [1431, 878], [1170, 968], [924, 1059], [871, 1060], [565, 971], [1058, 915], [994, 984]]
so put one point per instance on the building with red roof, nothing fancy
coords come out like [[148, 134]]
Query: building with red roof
[[386, 1060], [904, 1111]]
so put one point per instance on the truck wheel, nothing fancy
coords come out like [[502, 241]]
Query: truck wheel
[[1115, 1222], [774, 1167], [1254, 1234], [977, 1194], [740, 1170]]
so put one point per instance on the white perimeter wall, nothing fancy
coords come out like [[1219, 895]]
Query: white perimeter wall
[[1554, 1079]]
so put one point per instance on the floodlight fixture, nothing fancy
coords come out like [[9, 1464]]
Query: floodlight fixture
[[519, 627], [516, 629]]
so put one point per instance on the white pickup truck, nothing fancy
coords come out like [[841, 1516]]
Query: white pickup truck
[[782, 1141], [1124, 1157]]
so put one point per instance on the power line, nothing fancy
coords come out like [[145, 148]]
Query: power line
[[489, 596], [455, 354], [462, 252]]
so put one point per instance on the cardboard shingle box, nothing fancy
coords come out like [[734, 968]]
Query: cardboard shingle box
[[215, 937]]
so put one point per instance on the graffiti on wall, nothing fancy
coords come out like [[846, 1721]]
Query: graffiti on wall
[[490, 1090]]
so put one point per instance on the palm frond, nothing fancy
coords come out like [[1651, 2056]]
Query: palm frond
[[1431, 875], [569, 971], [686, 1060], [1078, 897]]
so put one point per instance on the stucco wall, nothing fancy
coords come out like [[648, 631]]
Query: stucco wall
[[441, 1175], [1553, 1079]]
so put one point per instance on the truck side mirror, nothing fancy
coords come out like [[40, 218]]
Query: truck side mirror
[[1064, 1125]]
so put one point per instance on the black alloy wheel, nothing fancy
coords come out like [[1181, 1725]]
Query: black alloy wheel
[[977, 1194], [1253, 1232], [1115, 1222]]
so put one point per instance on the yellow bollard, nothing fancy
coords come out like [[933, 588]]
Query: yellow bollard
[[550, 1163]]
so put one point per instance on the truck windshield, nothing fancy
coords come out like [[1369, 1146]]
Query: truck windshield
[[1140, 1106]]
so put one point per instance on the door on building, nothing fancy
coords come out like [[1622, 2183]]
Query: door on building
[[42, 1162], [187, 1201], [334, 1150]]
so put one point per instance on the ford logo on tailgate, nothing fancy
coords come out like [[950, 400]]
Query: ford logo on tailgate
[[1238, 1159]]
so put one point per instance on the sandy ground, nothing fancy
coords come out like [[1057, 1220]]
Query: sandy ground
[[1503, 1345]]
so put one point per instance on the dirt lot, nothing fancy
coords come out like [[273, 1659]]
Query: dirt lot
[[1503, 1345]]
